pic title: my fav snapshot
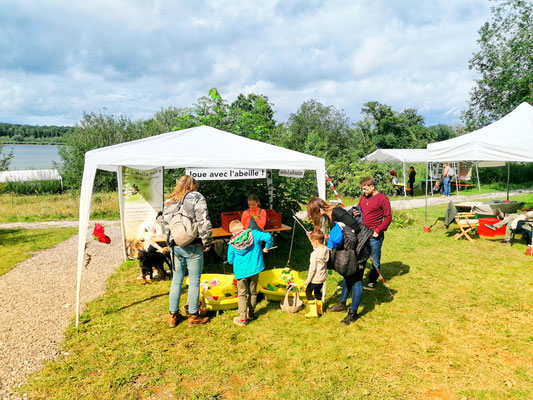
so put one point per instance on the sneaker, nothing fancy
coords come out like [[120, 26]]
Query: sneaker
[[370, 286], [197, 320], [239, 322], [351, 317], [491, 227], [250, 315], [338, 307], [504, 241], [175, 319]]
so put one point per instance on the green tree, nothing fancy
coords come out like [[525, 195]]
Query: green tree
[[504, 61], [5, 159], [92, 132], [388, 129]]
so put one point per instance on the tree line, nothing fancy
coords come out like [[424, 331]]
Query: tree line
[[17, 133]]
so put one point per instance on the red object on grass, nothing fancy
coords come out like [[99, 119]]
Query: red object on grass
[[99, 235], [482, 230]]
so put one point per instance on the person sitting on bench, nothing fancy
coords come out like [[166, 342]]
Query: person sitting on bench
[[510, 221]]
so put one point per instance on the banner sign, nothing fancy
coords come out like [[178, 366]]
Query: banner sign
[[142, 199], [292, 173], [207, 174]]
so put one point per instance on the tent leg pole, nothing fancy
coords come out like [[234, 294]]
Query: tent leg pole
[[477, 173], [270, 187], [508, 178], [426, 228]]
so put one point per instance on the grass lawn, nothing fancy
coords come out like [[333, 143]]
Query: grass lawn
[[17, 245], [456, 324]]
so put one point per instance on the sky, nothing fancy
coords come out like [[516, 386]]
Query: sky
[[61, 58]]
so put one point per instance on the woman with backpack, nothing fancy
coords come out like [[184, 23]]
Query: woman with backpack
[[355, 257], [185, 202]]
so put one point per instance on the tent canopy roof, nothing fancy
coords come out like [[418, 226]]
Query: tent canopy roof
[[397, 155], [200, 147], [508, 139]]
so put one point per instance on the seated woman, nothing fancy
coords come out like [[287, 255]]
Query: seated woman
[[254, 218]]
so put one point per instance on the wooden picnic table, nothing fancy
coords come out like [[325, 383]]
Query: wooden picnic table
[[219, 232]]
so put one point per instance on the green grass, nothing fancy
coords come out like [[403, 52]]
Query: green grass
[[54, 207], [17, 245], [455, 324]]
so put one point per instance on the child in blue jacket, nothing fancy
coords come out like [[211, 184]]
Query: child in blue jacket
[[246, 255]]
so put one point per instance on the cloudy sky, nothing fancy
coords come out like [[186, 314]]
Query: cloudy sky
[[60, 58]]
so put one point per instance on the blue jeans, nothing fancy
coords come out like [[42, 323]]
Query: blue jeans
[[357, 293], [375, 254], [190, 257], [446, 186]]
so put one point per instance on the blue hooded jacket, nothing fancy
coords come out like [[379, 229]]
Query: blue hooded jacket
[[247, 256]]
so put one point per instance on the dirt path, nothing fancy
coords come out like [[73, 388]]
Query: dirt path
[[38, 300]]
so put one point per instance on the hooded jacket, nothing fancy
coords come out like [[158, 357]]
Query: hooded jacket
[[246, 254]]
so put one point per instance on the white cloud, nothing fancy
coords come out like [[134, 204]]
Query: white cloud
[[134, 57]]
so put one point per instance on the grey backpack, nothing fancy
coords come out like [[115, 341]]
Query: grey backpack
[[181, 229]]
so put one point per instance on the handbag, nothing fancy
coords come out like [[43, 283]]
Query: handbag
[[291, 304]]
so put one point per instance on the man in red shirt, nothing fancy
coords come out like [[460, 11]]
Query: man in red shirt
[[375, 207]]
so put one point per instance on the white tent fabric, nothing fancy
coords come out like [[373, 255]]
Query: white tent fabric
[[508, 139], [398, 155], [30, 175], [201, 146]]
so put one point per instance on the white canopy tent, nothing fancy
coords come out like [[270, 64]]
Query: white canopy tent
[[198, 147], [508, 139], [398, 155]]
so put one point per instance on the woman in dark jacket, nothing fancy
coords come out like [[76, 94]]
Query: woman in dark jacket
[[316, 209]]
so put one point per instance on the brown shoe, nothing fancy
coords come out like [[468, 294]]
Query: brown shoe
[[175, 319], [197, 320]]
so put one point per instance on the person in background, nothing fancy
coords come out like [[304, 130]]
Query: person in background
[[393, 177], [377, 216], [189, 257], [412, 177], [254, 218], [317, 275], [245, 253], [446, 180]]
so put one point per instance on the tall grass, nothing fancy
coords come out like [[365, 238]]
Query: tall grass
[[54, 207], [36, 187], [455, 324]]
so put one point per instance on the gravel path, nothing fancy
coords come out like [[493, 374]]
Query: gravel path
[[38, 296], [38, 300]]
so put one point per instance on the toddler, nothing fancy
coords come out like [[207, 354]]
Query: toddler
[[317, 273]]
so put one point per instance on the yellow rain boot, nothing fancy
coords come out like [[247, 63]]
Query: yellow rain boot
[[312, 309], [319, 309]]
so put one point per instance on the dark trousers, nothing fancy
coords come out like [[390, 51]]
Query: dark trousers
[[315, 288], [411, 186]]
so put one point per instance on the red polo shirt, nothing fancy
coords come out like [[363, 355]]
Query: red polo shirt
[[376, 212]]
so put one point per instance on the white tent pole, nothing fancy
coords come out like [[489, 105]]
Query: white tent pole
[[405, 182], [456, 179], [508, 178], [426, 197], [477, 173], [120, 180], [321, 181], [87, 184], [270, 187]]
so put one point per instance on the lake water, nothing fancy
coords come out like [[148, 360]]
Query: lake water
[[32, 156]]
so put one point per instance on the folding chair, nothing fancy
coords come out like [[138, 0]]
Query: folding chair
[[466, 224]]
